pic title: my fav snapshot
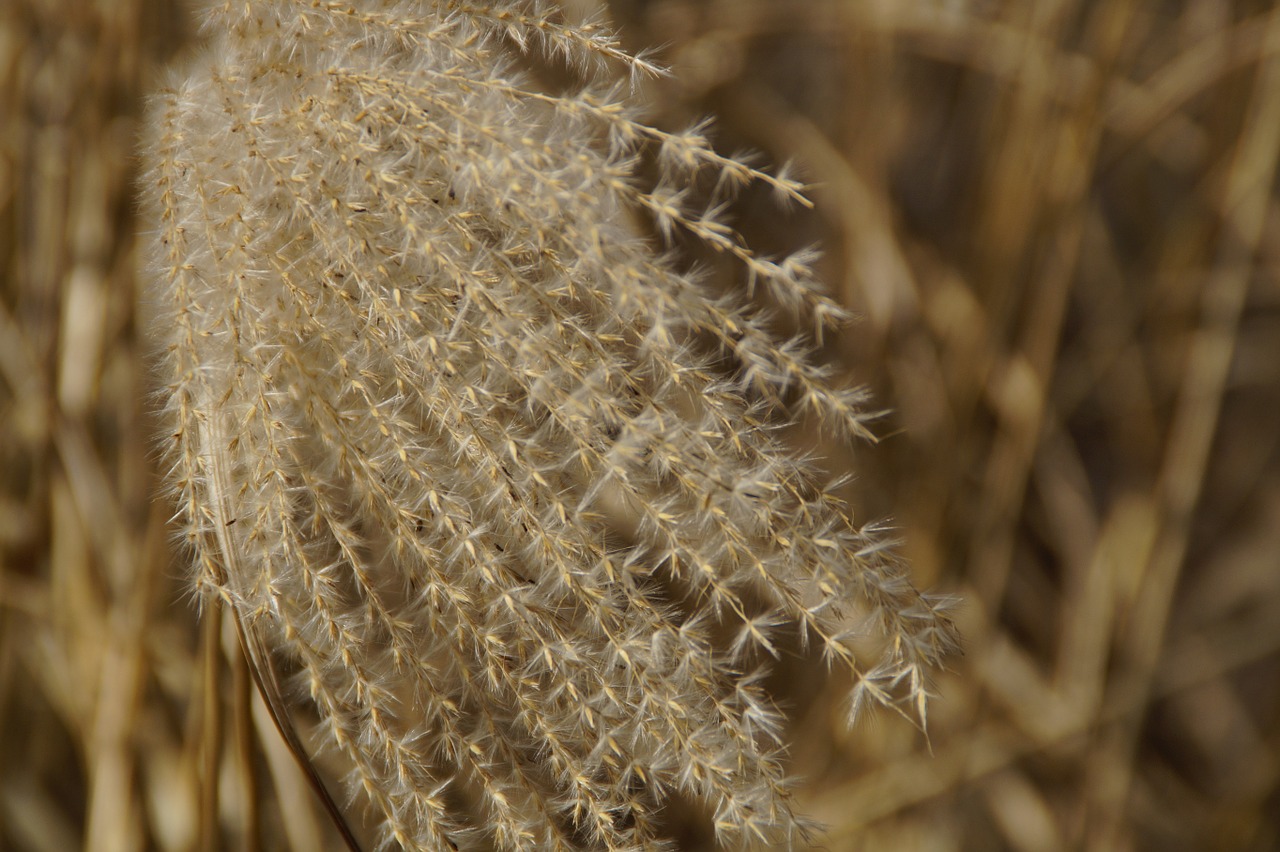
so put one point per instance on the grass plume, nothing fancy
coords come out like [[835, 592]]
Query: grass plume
[[464, 446]]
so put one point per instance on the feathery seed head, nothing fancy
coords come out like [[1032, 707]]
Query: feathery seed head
[[455, 438]]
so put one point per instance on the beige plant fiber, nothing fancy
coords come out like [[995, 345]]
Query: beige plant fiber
[[459, 442]]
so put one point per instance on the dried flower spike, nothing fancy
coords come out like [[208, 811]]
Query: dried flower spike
[[458, 443]]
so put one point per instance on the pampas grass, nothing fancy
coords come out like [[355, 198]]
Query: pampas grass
[[973, 166], [443, 437]]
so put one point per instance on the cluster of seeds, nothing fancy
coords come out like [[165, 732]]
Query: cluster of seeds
[[460, 444]]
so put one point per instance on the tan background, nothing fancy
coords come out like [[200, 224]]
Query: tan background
[[1057, 220]]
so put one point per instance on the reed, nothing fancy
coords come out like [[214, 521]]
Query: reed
[[463, 445], [1055, 223]]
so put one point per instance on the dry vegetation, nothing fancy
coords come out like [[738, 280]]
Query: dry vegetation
[[1055, 220]]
